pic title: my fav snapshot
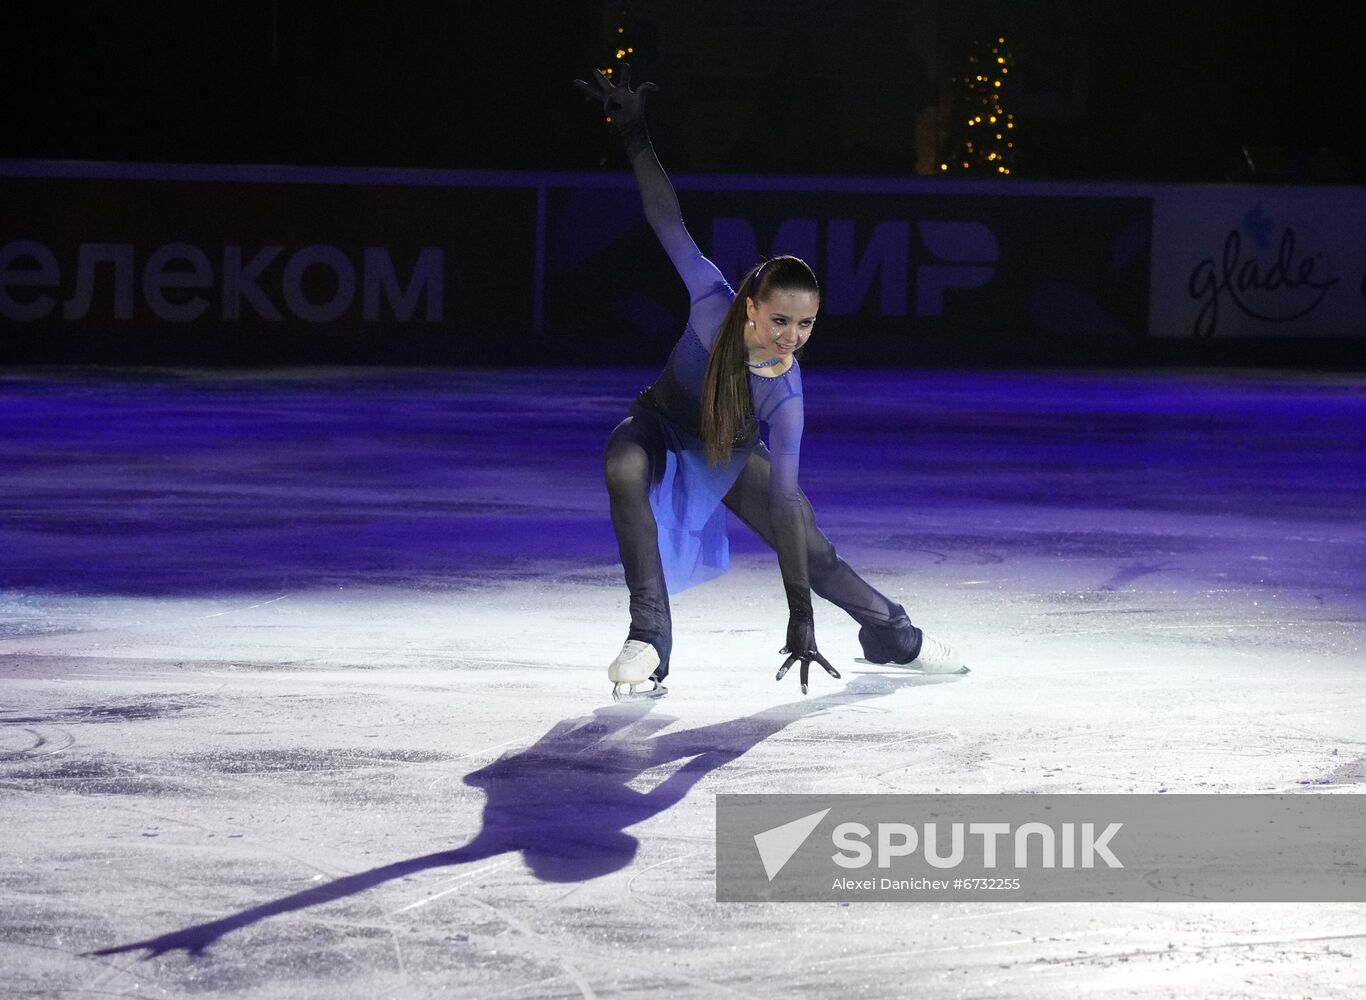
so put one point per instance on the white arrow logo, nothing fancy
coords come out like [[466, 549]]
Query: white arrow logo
[[777, 846]]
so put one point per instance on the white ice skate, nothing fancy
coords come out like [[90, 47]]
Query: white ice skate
[[935, 657], [632, 669]]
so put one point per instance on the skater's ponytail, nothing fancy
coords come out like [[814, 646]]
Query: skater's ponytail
[[726, 403]]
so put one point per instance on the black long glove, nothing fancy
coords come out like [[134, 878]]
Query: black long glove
[[624, 106], [801, 637]]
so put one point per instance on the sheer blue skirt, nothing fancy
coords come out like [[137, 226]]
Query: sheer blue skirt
[[687, 501]]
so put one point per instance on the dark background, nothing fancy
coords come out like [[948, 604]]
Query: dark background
[[1249, 91]]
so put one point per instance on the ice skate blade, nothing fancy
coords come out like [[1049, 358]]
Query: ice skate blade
[[627, 692], [912, 666]]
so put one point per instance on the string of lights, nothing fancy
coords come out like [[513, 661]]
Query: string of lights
[[622, 48], [984, 129], [619, 41]]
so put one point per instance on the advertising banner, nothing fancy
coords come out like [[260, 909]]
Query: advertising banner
[[148, 263], [221, 264], [896, 267], [1243, 261]]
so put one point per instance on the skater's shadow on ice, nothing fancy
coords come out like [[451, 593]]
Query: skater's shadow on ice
[[566, 802]]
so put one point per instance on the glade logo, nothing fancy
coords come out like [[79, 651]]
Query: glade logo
[[1283, 288], [1060, 845]]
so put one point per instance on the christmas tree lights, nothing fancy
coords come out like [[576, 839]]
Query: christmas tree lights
[[619, 40], [983, 143]]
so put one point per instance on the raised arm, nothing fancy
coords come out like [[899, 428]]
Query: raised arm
[[626, 110]]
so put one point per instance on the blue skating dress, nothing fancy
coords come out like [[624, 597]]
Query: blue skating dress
[[687, 500]]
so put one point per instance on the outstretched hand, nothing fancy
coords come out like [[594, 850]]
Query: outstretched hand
[[801, 644], [619, 102]]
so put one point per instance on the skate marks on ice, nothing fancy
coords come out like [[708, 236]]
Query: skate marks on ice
[[1125, 575], [156, 706], [564, 804], [23, 743], [30, 744]]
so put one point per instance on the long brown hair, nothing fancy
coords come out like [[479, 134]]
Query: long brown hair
[[726, 403]]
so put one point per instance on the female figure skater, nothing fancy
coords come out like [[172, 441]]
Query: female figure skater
[[691, 445]]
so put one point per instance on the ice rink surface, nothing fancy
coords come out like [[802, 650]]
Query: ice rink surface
[[303, 680]]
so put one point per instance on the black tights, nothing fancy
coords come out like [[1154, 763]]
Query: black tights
[[634, 459]]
